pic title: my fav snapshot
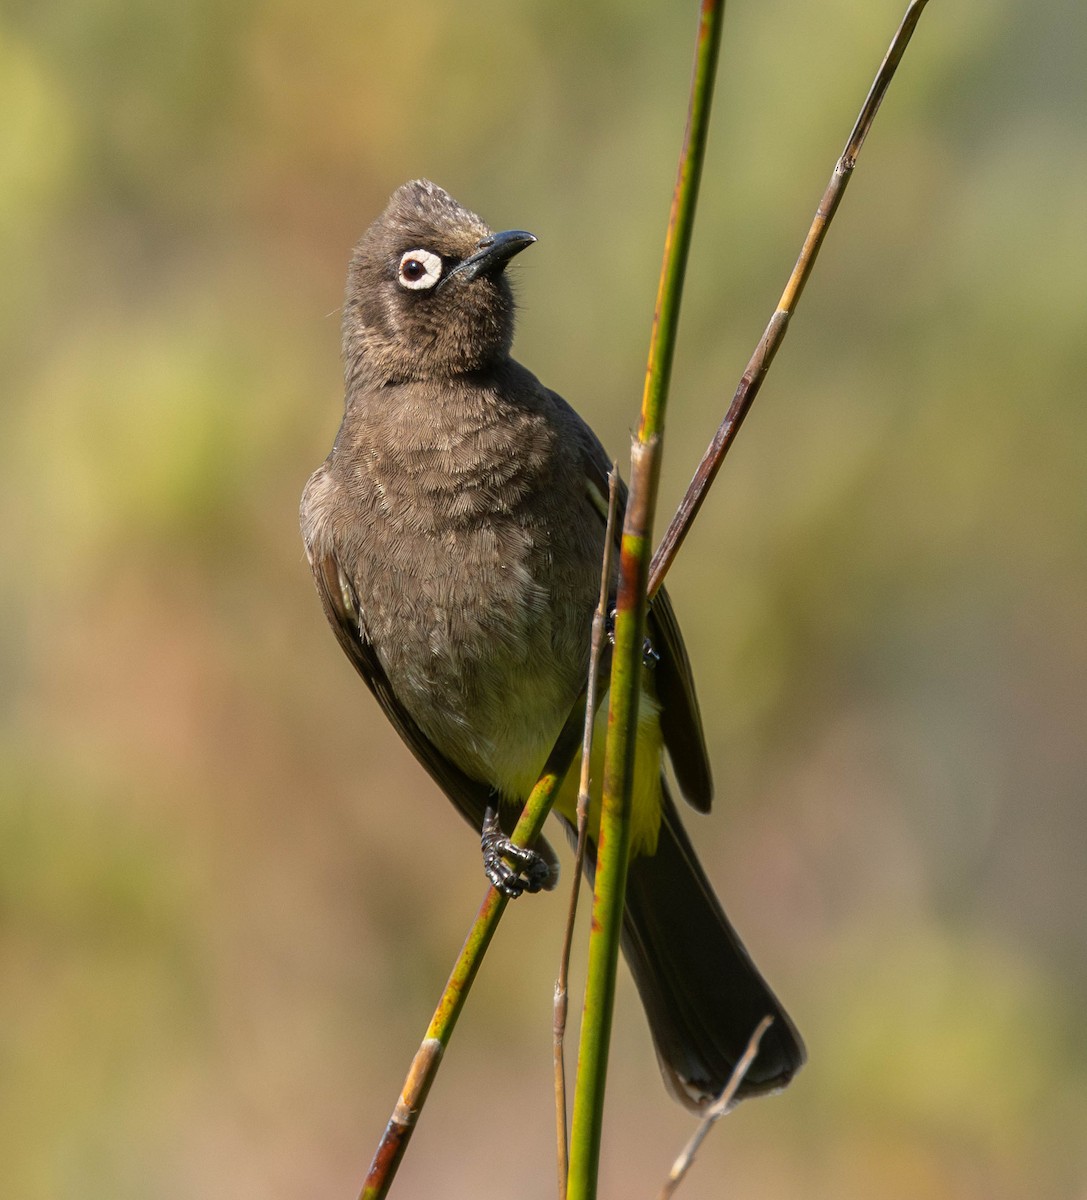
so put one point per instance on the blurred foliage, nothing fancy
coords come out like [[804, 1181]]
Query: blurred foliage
[[227, 896]]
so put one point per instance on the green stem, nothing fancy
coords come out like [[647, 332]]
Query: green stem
[[613, 842], [424, 1067]]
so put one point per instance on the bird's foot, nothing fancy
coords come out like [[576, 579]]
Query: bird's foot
[[530, 871], [650, 656]]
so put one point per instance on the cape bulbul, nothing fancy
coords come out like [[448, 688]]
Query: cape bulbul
[[455, 534]]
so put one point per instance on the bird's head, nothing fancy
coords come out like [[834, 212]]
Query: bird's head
[[427, 294]]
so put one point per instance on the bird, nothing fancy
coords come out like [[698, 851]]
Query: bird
[[455, 534]]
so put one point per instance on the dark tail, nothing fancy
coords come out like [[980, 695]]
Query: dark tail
[[702, 993]]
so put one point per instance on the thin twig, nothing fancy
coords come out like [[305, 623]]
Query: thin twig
[[596, 646], [715, 1112], [759, 363]]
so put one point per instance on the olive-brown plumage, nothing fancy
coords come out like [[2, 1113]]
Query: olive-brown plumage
[[455, 533]]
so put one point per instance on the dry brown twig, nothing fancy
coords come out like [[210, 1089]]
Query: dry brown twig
[[596, 650], [715, 1112]]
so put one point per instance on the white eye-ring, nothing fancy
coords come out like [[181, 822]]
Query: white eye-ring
[[419, 269]]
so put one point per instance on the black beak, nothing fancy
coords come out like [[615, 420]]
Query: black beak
[[491, 255]]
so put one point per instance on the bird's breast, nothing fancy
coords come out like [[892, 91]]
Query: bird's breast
[[476, 577]]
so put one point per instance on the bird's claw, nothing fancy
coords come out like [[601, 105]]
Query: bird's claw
[[650, 655], [530, 871]]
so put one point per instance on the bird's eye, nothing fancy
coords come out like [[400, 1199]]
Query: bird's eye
[[419, 269]]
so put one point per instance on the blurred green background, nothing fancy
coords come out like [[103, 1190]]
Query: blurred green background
[[228, 897]]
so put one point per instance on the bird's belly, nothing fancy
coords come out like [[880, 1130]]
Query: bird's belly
[[495, 707], [514, 732], [487, 648]]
